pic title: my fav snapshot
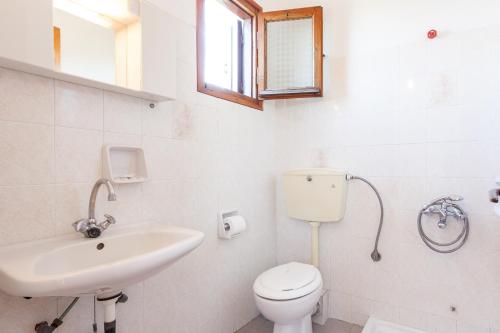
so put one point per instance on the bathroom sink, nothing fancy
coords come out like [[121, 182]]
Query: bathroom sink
[[72, 265]]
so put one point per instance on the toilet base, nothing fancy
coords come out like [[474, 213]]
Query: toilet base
[[303, 325]]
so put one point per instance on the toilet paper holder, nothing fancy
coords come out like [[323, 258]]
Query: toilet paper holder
[[225, 231], [495, 193]]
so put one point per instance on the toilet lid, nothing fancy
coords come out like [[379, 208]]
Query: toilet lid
[[288, 281]]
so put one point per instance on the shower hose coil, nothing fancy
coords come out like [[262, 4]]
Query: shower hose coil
[[445, 247]]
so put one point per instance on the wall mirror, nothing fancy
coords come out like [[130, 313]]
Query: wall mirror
[[96, 39], [291, 53]]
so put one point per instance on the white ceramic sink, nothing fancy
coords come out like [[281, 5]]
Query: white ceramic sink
[[72, 265]]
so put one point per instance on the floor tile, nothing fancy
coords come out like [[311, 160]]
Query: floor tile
[[262, 325]]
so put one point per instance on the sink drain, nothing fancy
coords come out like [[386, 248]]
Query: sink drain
[[100, 246]]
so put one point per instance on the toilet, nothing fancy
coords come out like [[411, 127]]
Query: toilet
[[288, 294]]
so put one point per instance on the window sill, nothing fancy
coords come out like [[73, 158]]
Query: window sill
[[231, 96]]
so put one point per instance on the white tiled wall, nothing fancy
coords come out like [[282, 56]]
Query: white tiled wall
[[420, 119], [204, 155]]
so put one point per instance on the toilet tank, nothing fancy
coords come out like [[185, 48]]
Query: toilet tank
[[315, 195]]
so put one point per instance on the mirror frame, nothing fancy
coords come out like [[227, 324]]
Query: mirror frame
[[316, 13]]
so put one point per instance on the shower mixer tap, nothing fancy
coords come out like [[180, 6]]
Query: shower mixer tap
[[445, 208]]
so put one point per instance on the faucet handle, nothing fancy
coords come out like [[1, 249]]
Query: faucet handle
[[110, 219], [453, 198], [81, 225], [107, 222], [448, 199]]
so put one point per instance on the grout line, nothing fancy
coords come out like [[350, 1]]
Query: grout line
[[54, 169], [54, 154], [100, 159]]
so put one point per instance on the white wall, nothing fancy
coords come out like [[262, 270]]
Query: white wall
[[387, 96], [87, 49], [183, 10], [204, 155], [420, 119]]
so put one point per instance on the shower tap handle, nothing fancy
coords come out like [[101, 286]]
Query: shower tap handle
[[443, 206], [449, 199]]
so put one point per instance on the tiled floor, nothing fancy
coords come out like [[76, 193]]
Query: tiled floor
[[262, 325]]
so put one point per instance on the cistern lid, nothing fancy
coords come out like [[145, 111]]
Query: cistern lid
[[288, 281]]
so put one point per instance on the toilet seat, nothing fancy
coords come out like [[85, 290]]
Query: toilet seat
[[288, 281]]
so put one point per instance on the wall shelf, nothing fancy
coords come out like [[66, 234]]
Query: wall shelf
[[52, 74], [125, 164]]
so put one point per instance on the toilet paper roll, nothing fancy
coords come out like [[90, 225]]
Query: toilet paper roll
[[236, 225]]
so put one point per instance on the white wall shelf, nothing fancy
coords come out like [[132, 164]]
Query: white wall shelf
[[45, 72]]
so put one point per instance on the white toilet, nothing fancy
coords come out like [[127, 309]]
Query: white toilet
[[288, 294]]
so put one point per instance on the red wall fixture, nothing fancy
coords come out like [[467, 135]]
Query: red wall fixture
[[432, 34]]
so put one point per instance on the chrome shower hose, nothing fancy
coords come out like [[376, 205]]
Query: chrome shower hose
[[445, 247], [376, 256]]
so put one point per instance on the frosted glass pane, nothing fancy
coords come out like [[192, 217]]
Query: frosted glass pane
[[290, 54]]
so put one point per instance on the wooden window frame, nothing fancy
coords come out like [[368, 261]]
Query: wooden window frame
[[244, 9], [316, 13]]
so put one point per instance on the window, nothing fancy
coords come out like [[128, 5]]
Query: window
[[291, 53], [248, 56], [227, 56]]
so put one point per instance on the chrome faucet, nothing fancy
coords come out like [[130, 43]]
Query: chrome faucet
[[89, 226], [445, 207]]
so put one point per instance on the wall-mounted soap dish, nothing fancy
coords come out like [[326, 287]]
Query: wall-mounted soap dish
[[125, 164]]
